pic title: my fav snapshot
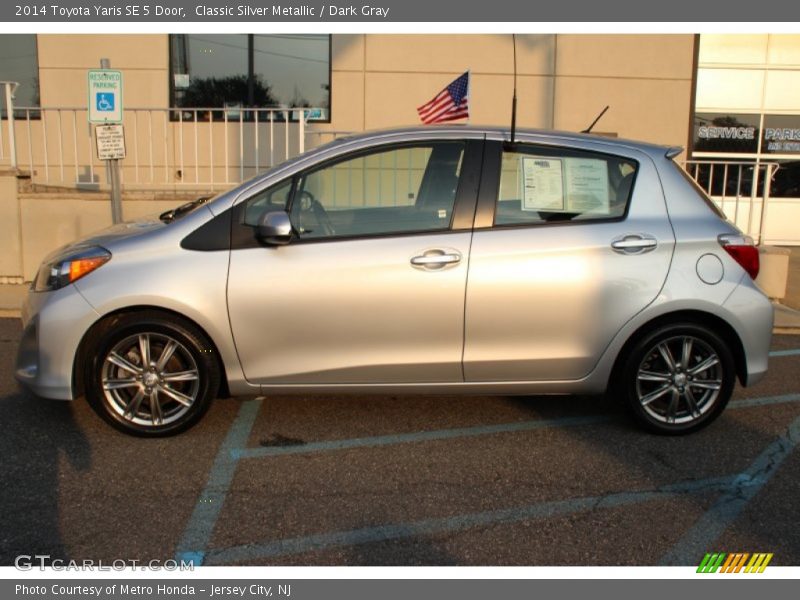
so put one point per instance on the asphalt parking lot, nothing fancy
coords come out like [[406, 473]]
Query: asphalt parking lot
[[486, 480]]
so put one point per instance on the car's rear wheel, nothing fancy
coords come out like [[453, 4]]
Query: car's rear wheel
[[678, 378], [151, 375]]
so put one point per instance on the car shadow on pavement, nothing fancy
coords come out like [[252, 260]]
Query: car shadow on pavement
[[630, 459], [38, 437]]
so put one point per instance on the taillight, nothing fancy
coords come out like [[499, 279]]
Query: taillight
[[743, 251]]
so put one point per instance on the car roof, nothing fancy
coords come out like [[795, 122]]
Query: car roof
[[504, 133]]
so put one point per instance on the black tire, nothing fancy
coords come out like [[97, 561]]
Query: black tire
[[654, 392], [121, 389]]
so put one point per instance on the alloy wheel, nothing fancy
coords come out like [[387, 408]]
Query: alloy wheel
[[679, 380], [150, 379]]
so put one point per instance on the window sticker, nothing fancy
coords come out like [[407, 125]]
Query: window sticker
[[542, 183], [587, 185]]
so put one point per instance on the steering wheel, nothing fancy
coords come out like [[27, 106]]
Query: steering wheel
[[307, 206]]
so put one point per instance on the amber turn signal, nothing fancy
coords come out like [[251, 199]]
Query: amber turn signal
[[83, 266]]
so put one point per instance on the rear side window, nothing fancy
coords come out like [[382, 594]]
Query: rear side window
[[543, 185]]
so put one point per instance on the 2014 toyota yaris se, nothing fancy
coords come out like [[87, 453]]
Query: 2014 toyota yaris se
[[435, 260]]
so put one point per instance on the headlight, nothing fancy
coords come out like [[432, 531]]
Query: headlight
[[69, 267]]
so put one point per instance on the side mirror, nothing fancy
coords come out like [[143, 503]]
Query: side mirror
[[274, 228]]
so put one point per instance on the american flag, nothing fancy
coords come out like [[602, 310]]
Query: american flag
[[448, 105]]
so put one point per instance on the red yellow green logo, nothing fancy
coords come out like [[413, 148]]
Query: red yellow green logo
[[736, 562]]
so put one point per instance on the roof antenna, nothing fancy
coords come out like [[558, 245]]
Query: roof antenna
[[600, 116], [514, 97]]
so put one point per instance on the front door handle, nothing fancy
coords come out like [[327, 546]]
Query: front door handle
[[634, 244], [436, 259]]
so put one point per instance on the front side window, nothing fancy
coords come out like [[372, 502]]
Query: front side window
[[542, 185], [235, 72], [392, 190]]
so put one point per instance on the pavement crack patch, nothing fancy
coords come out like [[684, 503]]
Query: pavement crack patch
[[276, 440], [661, 459]]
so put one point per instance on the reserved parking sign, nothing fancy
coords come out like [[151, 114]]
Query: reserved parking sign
[[105, 96]]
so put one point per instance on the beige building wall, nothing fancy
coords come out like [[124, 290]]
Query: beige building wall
[[377, 81], [64, 59], [10, 230], [645, 79], [563, 81]]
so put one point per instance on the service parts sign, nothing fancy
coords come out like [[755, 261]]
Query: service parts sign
[[105, 96]]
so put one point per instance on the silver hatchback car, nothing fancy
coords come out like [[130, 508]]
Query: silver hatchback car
[[424, 260]]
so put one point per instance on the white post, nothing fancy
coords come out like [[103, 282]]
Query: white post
[[753, 194], [301, 131], [2, 144], [764, 202], [12, 142]]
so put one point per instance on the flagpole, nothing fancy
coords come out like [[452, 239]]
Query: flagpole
[[469, 87]]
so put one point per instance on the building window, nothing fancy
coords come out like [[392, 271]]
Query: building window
[[19, 63], [237, 72], [726, 133], [747, 113]]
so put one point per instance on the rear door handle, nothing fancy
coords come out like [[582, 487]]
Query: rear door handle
[[634, 244], [436, 259]]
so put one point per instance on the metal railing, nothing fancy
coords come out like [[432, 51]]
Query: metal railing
[[740, 189], [166, 148]]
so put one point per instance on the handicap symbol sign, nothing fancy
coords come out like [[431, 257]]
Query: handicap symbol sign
[[104, 96], [105, 102]]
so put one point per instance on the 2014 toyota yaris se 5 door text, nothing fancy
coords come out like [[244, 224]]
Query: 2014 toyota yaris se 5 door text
[[427, 260]]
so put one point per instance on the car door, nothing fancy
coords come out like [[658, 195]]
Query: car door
[[569, 245], [371, 287]]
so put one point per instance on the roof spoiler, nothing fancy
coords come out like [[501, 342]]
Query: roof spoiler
[[673, 151]]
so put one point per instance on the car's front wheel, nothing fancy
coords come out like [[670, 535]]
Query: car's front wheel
[[678, 378], [150, 374]]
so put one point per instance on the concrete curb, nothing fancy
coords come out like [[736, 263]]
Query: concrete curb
[[12, 295], [786, 331], [787, 320]]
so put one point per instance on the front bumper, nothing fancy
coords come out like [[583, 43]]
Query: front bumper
[[54, 324]]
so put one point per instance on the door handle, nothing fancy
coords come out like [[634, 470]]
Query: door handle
[[634, 244], [436, 259]]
